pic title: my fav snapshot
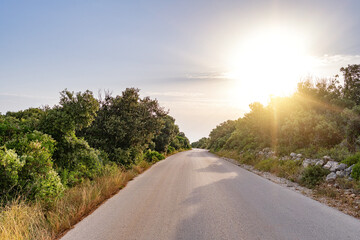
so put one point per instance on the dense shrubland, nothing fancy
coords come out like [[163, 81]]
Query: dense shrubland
[[46, 152], [321, 118]]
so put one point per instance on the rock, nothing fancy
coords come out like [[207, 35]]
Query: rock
[[293, 155], [298, 159], [349, 170], [299, 155], [319, 162], [340, 173], [334, 166], [331, 177], [328, 165], [271, 154], [341, 167], [327, 158], [353, 195], [306, 163]]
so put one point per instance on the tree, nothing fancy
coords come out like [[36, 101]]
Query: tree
[[125, 125], [166, 135], [352, 82]]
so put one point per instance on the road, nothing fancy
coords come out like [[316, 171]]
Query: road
[[196, 195]]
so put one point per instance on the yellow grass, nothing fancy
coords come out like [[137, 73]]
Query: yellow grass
[[20, 220]]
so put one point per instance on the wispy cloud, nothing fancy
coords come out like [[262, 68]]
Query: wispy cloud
[[338, 59], [210, 75], [25, 96], [176, 94]]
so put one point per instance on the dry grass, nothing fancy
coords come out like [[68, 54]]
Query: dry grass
[[20, 220]]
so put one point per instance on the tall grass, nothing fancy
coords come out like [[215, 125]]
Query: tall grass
[[20, 220]]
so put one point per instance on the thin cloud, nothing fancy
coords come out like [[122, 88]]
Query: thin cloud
[[176, 94], [339, 58], [214, 75], [25, 96]]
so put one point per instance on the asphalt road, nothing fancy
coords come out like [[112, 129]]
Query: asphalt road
[[195, 195]]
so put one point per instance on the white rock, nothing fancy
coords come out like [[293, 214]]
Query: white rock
[[306, 163], [293, 155], [299, 155], [319, 163], [341, 166], [327, 158], [334, 166], [340, 173], [328, 165], [331, 177]]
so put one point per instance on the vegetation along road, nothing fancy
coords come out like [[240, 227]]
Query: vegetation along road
[[196, 195]]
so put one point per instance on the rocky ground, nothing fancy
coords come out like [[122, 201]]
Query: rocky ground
[[330, 193]]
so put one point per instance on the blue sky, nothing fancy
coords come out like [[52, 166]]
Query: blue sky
[[175, 51]]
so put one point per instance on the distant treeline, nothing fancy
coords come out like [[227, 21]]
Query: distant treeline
[[45, 150], [320, 118]]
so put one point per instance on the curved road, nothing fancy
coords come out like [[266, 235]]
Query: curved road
[[196, 195]]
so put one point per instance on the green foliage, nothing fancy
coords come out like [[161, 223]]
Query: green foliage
[[168, 132], [125, 122], [353, 159], [220, 134], [75, 112], [78, 159], [319, 118], [180, 142], [201, 143], [351, 82], [355, 174], [286, 169], [170, 149], [28, 167], [312, 176], [10, 165], [153, 156], [266, 164], [42, 151]]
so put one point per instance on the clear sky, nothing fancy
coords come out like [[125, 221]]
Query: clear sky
[[203, 60]]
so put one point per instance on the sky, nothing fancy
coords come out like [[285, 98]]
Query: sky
[[205, 61]]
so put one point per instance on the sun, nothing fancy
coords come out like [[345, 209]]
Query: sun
[[268, 62]]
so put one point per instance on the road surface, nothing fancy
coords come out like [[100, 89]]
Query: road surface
[[196, 195]]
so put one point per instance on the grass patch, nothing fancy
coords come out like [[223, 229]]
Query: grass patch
[[39, 220], [313, 176]]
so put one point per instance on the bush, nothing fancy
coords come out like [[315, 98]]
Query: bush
[[355, 174], [170, 149], [289, 169], [266, 164], [354, 159], [10, 165], [153, 156], [312, 176], [27, 168]]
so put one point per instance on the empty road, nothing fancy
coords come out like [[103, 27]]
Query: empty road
[[196, 195]]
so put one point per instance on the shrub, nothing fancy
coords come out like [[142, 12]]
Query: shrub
[[28, 167], [356, 171], [153, 156], [354, 159], [266, 164], [10, 165], [312, 176], [78, 160], [289, 169], [170, 149], [37, 176]]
